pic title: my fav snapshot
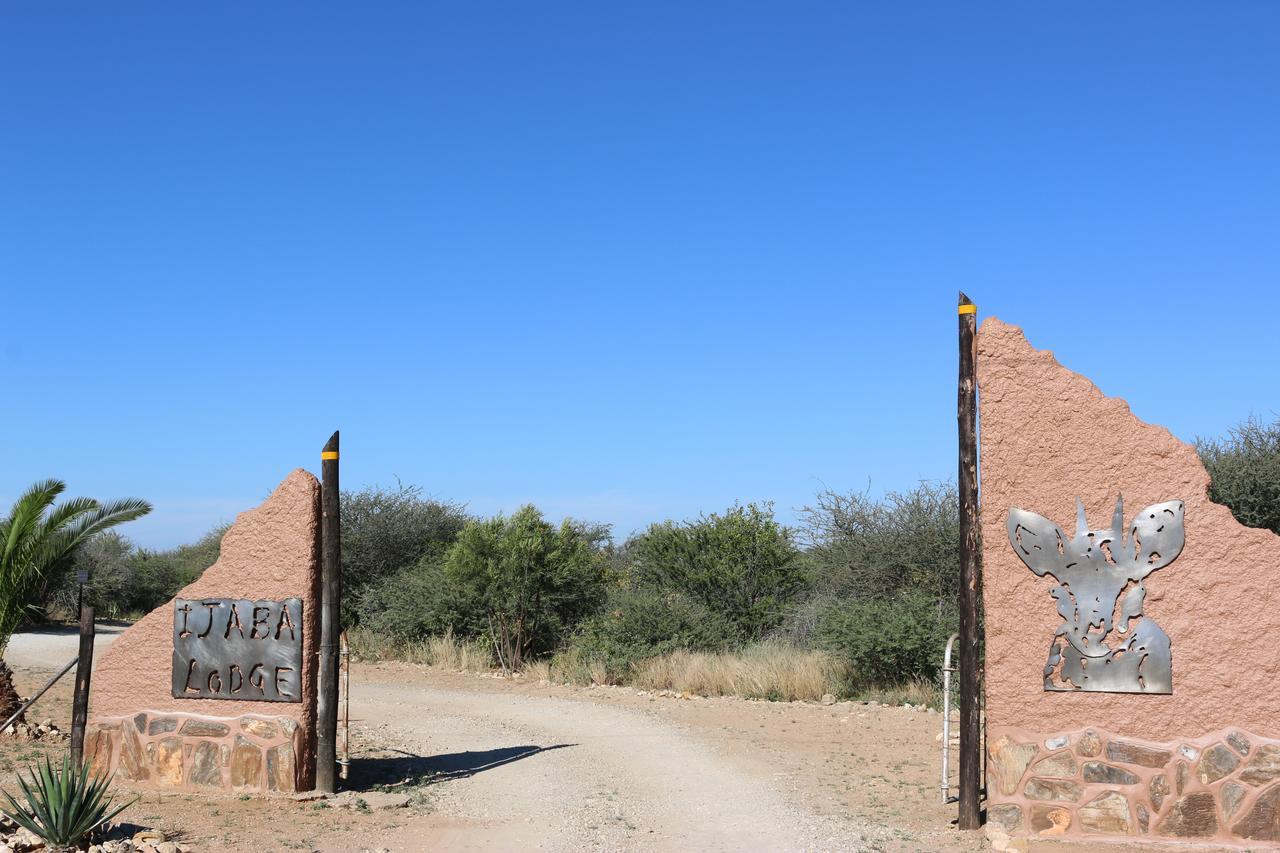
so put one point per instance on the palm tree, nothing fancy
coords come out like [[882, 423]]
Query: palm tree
[[38, 539]]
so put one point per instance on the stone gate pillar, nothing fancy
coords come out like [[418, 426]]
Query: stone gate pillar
[[1132, 690], [217, 688]]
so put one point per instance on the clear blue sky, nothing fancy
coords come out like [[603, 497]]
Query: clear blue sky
[[626, 264]]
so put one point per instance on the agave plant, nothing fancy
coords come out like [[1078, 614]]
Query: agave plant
[[62, 806]]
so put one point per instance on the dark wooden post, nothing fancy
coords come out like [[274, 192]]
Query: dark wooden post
[[330, 616], [970, 731], [80, 702]]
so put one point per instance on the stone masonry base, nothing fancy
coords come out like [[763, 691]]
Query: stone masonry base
[[252, 753], [1223, 787]]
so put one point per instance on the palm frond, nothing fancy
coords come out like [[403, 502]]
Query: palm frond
[[27, 513], [104, 517]]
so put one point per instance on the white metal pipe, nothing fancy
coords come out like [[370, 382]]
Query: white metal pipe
[[947, 669]]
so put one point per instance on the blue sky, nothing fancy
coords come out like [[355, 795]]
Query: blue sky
[[628, 264]]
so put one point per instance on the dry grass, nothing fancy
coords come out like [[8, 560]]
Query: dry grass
[[764, 671], [570, 667], [909, 693], [442, 652], [538, 670], [769, 670]]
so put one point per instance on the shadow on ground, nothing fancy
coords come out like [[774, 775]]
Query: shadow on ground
[[396, 767]]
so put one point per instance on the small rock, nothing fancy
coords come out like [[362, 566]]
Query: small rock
[[828, 699], [1239, 743], [1056, 742], [166, 847]]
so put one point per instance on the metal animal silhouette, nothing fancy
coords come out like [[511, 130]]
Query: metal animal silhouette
[[1093, 569]]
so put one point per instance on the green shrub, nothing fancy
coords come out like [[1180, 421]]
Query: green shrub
[[886, 641], [1244, 471], [530, 582], [741, 565], [862, 548], [638, 624], [63, 807], [388, 530], [415, 603]]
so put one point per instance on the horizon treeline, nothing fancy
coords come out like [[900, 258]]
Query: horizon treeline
[[870, 581]]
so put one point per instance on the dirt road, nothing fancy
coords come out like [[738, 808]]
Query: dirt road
[[497, 764]]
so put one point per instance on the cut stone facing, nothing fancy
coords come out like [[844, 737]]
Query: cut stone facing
[[205, 768], [204, 728], [280, 768], [1009, 761], [260, 728], [1007, 816], [1132, 753], [1096, 771], [1262, 822], [161, 725], [246, 763], [1159, 789], [1050, 820], [1263, 767], [1059, 766], [133, 761], [1089, 745], [1232, 795], [1192, 816], [1053, 789], [1107, 814], [1239, 743], [1218, 762], [168, 760]]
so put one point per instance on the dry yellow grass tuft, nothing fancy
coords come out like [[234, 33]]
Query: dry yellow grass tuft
[[443, 652], [768, 670], [538, 670]]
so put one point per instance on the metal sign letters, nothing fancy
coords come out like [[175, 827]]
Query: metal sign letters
[[226, 648]]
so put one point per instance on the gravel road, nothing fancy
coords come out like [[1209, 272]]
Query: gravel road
[[51, 648], [537, 767], [562, 774]]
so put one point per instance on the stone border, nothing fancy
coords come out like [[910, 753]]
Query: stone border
[[248, 753], [1222, 787]]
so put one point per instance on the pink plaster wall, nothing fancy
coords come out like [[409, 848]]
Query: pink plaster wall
[[271, 552], [1049, 435]]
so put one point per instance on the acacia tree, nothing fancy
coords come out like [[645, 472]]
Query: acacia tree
[[37, 539], [530, 580]]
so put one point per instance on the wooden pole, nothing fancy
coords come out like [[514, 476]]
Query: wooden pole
[[80, 702], [330, 616], [967, 415]]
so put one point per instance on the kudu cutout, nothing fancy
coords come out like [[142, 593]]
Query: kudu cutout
[[1093, 569]]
